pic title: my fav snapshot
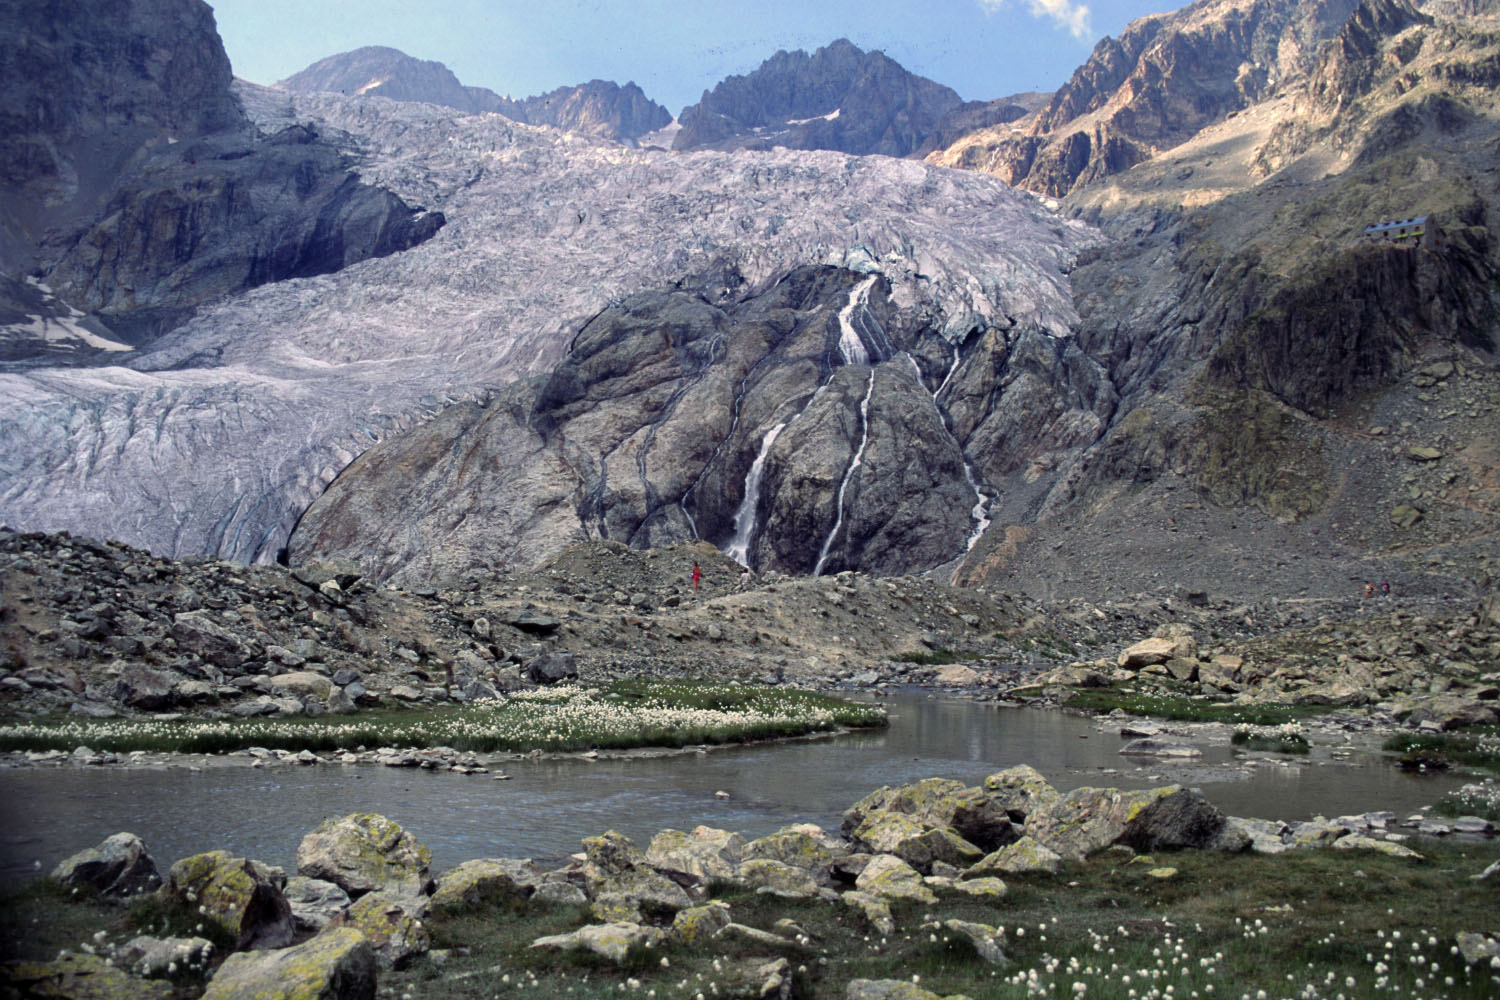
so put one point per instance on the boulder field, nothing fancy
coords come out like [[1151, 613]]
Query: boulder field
[[98, 629], [362, 897]]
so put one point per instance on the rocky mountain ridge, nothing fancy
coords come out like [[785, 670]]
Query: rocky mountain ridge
[[839, 97], [599, 108]]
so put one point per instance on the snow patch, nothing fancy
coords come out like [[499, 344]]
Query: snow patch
[[831, 116]]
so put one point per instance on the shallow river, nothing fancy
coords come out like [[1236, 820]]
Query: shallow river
[[548, 805]]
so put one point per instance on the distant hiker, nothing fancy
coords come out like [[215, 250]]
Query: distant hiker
[[1369, 590], [1385, 588], [697, 575]]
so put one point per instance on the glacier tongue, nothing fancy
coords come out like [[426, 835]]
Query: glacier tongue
[[217, 437]]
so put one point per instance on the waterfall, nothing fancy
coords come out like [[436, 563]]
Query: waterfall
[[981, 509], [744, 518], [859, 456], [850, 345]]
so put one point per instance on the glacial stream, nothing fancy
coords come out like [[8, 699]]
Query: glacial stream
[[545, 808]]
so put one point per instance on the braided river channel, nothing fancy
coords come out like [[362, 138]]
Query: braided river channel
[[547, 805]]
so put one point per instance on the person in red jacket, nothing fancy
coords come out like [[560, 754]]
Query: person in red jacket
[[697, 575]]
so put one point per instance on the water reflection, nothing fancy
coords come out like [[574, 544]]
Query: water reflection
[[549, 805]]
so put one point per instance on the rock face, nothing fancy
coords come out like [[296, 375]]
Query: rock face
[[598, 108], [837, 98], [1162, 80], [139, 190], [649, 429]]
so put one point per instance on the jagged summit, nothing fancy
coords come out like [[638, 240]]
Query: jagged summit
[[381, 71], [839, 97], [599, 108]]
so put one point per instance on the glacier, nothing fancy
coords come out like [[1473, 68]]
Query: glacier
[[215, 438]]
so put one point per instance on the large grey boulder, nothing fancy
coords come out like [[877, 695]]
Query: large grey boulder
[[553, 668], [197, 632], [1088, 819], [143, 687], [338, 964], [362, 852], [118, 867], [242, 896]]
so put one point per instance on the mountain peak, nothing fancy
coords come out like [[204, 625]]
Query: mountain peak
[[839, 97]]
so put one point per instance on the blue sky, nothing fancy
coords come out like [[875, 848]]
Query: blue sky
[[675, 49]]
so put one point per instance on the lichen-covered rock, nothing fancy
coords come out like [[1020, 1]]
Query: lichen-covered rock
[[362, 852], [1149, 653], [937, 803], [637, 895], [781, 879], [392, 923], [1359, 842], [120, 866], [302, 684], [612, 852], [242, 896], [1476, 948], [483, 881], [78, 977], [612, 941], [915, 842], [887, 875], [874, 909], [314, 902], [759, 979], [986, 888], [984, 938], [804, 845], [696, 924], [705, 853], [1265, 835], [1318, 832], [1020, 790], [1088, 819], [1025, 855], [891, 989], [159, 958], [338, 964]]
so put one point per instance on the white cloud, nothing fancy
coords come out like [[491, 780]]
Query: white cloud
[[1064, 13]]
